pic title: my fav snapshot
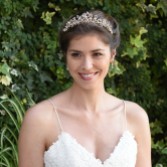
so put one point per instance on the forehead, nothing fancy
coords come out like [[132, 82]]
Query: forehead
[[89, 41]]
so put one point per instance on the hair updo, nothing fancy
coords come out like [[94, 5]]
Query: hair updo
[[84, 28]]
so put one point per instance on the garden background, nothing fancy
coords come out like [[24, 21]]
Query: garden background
[[31, 66]]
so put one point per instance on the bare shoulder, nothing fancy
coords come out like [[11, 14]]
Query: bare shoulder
[[39, 113], [37, 120], [137, 117], [33, 134], [42, 112], [138, 123], [135, 111]]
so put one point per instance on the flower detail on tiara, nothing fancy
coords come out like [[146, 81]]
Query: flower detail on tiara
[[88, 18]]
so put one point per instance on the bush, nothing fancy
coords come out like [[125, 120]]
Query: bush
[[31, 59], [12, 109]]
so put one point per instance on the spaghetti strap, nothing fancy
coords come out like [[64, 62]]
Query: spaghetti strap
[[57, 115], [125, 120]]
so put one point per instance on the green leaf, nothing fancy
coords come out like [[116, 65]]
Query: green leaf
[[4, 69], [163, 5], [55, 7], [159, 165], [47, 17], [164, 151]]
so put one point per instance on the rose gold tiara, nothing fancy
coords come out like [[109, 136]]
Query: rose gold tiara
[[88, 18]]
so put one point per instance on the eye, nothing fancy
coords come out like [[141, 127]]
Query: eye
[[76, 54], [97, 54]]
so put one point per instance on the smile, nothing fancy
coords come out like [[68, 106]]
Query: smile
[[88, 76]]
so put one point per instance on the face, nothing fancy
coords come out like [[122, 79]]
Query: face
[[88, 61]]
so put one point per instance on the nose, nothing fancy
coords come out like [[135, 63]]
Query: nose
[[87, 63]]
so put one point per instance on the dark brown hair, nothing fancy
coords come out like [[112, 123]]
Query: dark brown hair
[[113, 39]]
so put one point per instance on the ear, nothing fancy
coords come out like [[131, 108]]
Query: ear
[[113, 54]]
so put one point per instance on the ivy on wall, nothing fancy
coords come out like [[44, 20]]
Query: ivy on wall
[[31, 61]]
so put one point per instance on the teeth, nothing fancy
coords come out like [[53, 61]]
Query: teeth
[[87, 75]]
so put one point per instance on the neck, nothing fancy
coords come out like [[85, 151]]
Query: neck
[[87, 100]]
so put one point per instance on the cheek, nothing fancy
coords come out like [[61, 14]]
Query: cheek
[[105, 67], [69, 63], [72, 65], [105, 63]]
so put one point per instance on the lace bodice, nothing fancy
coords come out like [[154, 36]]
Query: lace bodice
[[67, 152]]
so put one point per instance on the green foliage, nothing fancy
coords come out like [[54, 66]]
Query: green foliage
[[30, 59], [12, 109]]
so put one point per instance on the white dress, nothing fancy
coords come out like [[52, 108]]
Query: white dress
[[67, 152]]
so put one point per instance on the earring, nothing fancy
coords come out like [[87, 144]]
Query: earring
[[112, 65], [111, 69], [67, 68]]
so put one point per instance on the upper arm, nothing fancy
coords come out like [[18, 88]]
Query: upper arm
[[140, 125], [32, 139]]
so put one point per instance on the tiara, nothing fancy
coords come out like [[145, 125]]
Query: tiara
[[88, 18]]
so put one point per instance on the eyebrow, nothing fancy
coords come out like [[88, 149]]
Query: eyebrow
[[95, 50], [73, 50]]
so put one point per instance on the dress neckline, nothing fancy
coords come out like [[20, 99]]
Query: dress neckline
[[65, 135]]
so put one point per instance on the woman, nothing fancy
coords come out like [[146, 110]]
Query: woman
[[85, 126]]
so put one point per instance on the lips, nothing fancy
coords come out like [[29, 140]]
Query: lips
[[87, 76]]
